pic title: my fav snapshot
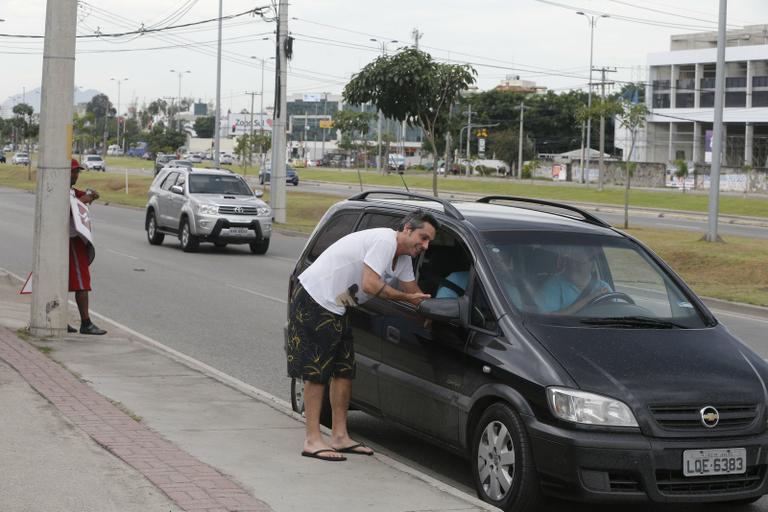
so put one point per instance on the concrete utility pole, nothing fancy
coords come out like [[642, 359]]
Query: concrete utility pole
[[325, 113], [521, 108], [717, 143], [277, 179], [178, 108], [51, 232], [416, 36], [217, 122], [603, 83], [592, 22], [469, 133], [250, 131], [117, 117]]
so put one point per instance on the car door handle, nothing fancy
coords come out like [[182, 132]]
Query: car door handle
[[393, 334]]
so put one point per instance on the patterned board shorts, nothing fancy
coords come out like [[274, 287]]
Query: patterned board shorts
[[319, 342]]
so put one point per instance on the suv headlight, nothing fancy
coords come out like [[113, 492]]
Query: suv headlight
[[208, 209], [263, 211], [589, 408]]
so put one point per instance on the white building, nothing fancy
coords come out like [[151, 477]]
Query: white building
[[680, 94]]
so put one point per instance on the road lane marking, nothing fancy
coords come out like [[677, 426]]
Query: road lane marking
[[122, 254], [720, 312], [252, 292]]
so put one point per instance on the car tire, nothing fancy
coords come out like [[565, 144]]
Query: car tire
[[189, 242], [154, 236], [296, 183], [502, 461], [260, 246], [297, 401]]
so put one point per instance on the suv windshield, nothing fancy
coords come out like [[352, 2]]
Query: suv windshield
[[589, 280], [93, 158], [218, 184]]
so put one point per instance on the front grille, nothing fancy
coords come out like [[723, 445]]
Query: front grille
[[241, 210], [674, 483], [688, 417]]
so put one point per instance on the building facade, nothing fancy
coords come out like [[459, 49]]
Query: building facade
[[680, 94]]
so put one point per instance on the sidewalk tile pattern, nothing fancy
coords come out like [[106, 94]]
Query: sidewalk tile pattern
[[193, 485]]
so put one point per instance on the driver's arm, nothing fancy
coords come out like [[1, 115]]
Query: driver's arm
[[583, 301]]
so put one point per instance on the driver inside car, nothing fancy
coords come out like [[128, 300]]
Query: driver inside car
[[575, 286]]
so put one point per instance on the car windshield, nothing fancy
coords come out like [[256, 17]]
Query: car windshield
[[218, 184], [93, 158], [587, 280]]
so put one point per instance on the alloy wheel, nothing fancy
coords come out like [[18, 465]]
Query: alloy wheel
[[496, 460]]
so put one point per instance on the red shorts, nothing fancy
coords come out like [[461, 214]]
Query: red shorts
[[79, 275]]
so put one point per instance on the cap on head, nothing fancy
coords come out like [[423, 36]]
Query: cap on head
[[75, 165]]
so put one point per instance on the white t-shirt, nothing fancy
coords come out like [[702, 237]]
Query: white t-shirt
[[335, 279]]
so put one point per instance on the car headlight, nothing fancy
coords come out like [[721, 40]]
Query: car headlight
[[208, 209], [589, 408], [263, 212]]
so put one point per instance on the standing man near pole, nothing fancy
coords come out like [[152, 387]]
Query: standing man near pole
[[352, 270], [80, 257]]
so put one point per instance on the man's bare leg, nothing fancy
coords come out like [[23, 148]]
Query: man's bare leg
[[341, 390], [81, 298], [313, 404]]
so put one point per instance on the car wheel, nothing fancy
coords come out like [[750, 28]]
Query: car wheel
[[296, 183], [189, 242], [153, 235], [260, 246], [502, 462], [297, 401], [261, 180]]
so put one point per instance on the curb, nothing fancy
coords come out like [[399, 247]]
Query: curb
[[272, 401]]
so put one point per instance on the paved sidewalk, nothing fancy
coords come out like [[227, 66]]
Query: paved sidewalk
[[171, 434]]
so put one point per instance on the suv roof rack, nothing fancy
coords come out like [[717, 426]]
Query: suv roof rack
[[449, 208], [588, 217]]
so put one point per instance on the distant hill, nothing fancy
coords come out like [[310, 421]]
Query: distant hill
[[33, 98]]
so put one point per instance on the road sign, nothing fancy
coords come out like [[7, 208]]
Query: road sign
[[326, 123]]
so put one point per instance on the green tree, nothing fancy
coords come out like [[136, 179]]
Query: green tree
[[682, 171], [607, 109], [505, 145], [631, 118], [162, 141], [410, 86], [204, 126]]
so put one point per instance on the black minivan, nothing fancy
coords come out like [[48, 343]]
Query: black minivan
[[563, 358]]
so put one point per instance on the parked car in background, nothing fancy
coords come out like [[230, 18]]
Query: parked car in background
[[8, 147], [226, 159], [180, 163], [206, 205], [395, 162], [563, 357], [162, 160], [95, 163], [291, 176], [114, 150], [2, 158], [20, 158]]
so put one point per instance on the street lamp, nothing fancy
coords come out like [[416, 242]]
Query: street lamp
[[261, 106], [592, 19], [117, 117], [178, 106], [381, 116]]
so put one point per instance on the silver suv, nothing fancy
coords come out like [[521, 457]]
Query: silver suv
[[206, 205]]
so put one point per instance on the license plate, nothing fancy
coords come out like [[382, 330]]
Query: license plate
[[238, 231], [721, 461]]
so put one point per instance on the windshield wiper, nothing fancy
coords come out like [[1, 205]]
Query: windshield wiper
[[634, 321]]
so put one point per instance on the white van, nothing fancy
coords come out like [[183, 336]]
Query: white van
[[114, 150]]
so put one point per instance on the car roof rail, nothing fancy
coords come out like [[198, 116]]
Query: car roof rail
[[447, 206], [588, 217]]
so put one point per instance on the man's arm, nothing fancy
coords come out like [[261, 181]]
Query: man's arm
[[374, 285]]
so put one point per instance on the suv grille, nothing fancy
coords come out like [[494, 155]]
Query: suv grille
[[673, 482], [688, 417], [239, 210]]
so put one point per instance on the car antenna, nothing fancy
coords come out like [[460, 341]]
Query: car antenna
[[404, 183]]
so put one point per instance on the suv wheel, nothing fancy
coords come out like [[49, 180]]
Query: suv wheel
[[297, 401], [260, 246], [153, 235], [502, 462], [189, 242]]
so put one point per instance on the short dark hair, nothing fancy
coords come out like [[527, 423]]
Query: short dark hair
[[416, 220]]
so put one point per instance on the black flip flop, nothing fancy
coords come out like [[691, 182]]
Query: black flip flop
[[316, 455], [352, 449]]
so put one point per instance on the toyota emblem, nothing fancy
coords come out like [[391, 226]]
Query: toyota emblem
[[238, 209], [710, 417]]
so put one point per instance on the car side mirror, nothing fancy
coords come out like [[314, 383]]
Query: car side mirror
[[258, 192], [440, 309], [176, 189]]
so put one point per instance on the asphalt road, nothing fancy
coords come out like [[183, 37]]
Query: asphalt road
[[226, 308]]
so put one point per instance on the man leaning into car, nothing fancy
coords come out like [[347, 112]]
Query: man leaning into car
[[354, 269]]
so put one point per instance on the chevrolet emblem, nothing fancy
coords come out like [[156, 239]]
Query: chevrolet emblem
[[709, 417]]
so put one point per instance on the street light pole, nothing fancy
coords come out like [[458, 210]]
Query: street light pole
[[592, 22], [379, 166], [178, 96], [217, 128], [117, 117]]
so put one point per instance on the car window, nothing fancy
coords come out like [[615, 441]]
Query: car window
[[482, 314], [443, 269], [339, 225], [218, 184], [169, 181], [380, 220]]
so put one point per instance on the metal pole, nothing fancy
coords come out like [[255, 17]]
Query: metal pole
[[325, 112], [717, 143], [48, 315], [178, 106], [592, 22], [217, 122], [520, 143], [469, 132]]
